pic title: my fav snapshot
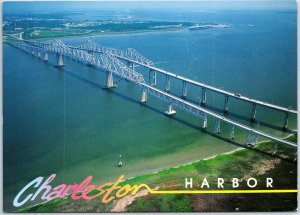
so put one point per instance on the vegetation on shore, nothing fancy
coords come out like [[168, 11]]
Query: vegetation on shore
[[38, 28], [43, 26], [258, 163]]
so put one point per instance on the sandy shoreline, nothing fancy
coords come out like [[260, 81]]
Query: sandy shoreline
[[175, 167], [95, 34], [208, 158]]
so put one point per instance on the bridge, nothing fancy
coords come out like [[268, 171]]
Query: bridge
[[92, 46], [113, 62]]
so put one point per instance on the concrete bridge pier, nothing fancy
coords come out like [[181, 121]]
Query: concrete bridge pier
[[231, 132], [109, 80], [170, 111], [132, 66], [184, 89], [39, 54], [59, 59], [226, 104], [253, 113], [203, 100], [46, 56], [144, 96], [168, 86], [204, 125], [217, 126], [152, 77], [286, 120], [32, 53], [274, 148], [252, 139]]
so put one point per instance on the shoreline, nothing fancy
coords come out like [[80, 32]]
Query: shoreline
[[208, 158], [165, 169], [95, 34], [110, 33]]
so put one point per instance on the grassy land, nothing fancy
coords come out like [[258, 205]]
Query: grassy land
[[65, 28], [241, 164]]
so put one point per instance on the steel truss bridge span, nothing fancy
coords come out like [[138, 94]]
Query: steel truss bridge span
[[110, 63], [103, 61], [142, 61]]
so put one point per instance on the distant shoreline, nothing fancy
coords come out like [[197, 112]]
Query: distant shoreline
[[111, 33], [107, 34]]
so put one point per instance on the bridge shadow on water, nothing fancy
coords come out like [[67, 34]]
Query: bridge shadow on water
[[206, 106], [198, 128], [244, 118], [225, 139]]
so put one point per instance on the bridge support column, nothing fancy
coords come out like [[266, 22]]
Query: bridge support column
[[204, 125], [132, 66], [226, 104], [231, 133], [274, 148], [46, 56], [32, 53], [253, 113], [217, 127], [252, 139], [60, 61], [184, 89], [109, 80], [39, 54], [152, 77], [286, 120], [144, 96], [170, 111], [168, 86], [203, 100]]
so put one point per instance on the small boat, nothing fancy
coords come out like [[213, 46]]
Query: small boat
[[120, 164]]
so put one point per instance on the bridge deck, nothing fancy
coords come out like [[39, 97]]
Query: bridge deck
[[84, 57], [196, 83], [222, 118]]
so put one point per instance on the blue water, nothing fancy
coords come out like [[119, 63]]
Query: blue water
[[62, 121]]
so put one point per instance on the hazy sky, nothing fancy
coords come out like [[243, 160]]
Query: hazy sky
[[61, 6]]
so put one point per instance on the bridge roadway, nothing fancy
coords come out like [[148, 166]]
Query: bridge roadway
[[196, 83], [152, 90], [188, 106], [187, 80]]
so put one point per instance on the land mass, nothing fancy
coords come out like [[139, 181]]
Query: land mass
[[243, 164], [46, 26]]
